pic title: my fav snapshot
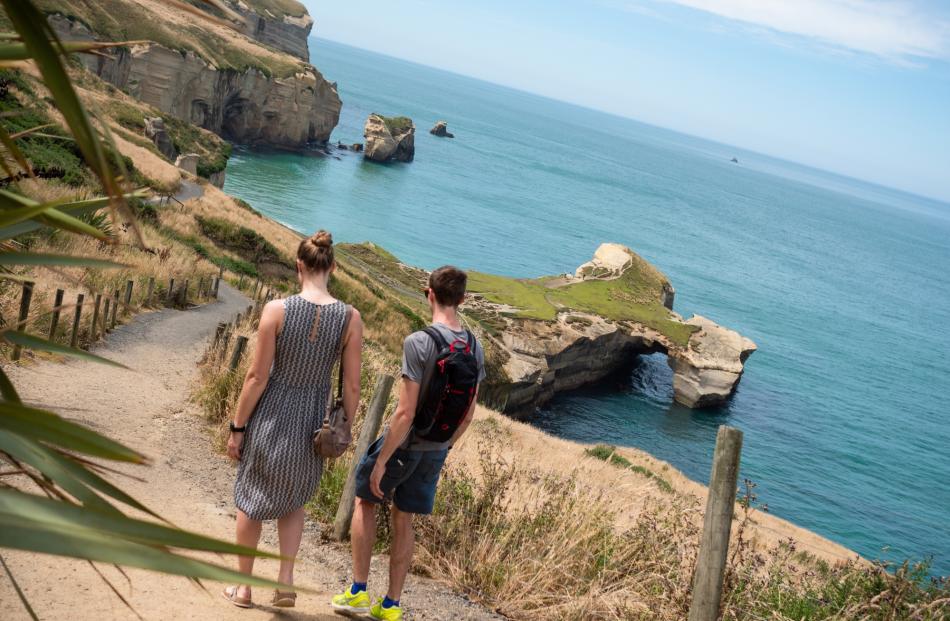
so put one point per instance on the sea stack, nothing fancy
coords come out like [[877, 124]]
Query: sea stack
[[389, 138], [441, 129]]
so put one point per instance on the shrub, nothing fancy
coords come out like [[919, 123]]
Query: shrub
[[247, 243], [609, 453], [243, 204]]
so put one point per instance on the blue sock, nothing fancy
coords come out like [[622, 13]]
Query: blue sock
[[356, 587], [389, 603]]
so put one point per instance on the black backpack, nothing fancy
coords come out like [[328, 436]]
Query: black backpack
[[448, 387]]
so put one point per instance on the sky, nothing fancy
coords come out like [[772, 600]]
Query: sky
[[857, 87]]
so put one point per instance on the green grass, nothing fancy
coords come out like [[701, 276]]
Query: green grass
[[395, 124], [243, 204], [528, 296], [51, 158], [635, 296], [605, 452], [247, 243]]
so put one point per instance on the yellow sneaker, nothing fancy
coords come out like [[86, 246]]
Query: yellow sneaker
[[393, 613], [357, 603]]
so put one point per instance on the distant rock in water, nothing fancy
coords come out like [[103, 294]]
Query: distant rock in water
[[356, 146], [389, 138], [735, 161], [441, 129]]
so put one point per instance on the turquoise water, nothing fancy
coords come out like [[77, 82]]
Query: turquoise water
[[845, 286]]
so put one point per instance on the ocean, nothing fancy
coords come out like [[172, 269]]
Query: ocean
[[844, 285]]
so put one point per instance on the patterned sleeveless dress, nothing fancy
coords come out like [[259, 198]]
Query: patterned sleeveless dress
[[279, 470]]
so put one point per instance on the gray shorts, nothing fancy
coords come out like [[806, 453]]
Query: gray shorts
[[409, 481]]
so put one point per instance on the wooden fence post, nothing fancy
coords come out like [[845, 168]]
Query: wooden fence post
[[170, 298], [105, 315], [128, 294], [151, 288], [74, 338], [225, 340], [94, 331], [218, 333], [184, 293], [26, 296], [115, 309], [238, 351], [717, 525], [374, 418], [54, 320]]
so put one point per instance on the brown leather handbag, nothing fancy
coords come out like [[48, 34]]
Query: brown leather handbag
[[334, 437]]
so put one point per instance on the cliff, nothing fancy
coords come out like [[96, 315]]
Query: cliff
[[548, 335], [564, 332], [389, 138], [285, 30], [209, 75]]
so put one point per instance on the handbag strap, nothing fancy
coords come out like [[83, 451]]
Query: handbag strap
[[339, 351]]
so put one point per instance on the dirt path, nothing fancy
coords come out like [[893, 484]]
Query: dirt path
[[188, 483]]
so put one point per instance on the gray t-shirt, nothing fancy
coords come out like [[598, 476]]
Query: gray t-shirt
[[417, 348]]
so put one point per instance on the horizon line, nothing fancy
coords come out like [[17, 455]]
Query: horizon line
[[945, 202]]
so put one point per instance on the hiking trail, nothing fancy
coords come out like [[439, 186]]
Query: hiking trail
[[189, 482]]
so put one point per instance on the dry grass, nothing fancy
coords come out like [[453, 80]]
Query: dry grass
[[539, 545], [165, 259], [533, 527]]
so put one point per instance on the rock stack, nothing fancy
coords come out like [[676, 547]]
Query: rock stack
[[389, 138], [441, 130]]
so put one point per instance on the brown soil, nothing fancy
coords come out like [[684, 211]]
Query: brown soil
[[188, 482]]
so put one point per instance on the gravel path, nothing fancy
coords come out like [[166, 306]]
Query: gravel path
[[188, 482]]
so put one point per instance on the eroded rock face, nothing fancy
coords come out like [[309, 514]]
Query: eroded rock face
[[705, 373], [546, 358], [243, 106], [441, 129], [383, 145], [285, 33], [155, 130], [188, 162]]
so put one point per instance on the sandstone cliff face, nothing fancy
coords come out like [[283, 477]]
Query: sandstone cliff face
[[285, 33], [243, 106], [706, 372], [388, 140]]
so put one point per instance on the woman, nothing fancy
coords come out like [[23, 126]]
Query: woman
[[283, 401]]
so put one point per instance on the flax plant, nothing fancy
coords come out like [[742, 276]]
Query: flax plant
[[54, 497]]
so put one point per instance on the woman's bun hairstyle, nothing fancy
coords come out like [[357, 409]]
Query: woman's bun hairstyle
[[316, 252]]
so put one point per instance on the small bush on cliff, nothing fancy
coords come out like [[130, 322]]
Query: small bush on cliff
[[396, 124], [51, 152], [249, 244]]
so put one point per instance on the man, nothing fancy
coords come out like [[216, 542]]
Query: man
[[441, 369]]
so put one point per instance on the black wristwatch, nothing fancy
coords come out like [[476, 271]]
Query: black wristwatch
[[236, 429]]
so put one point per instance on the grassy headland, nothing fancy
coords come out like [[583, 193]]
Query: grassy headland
[[635, 296]]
